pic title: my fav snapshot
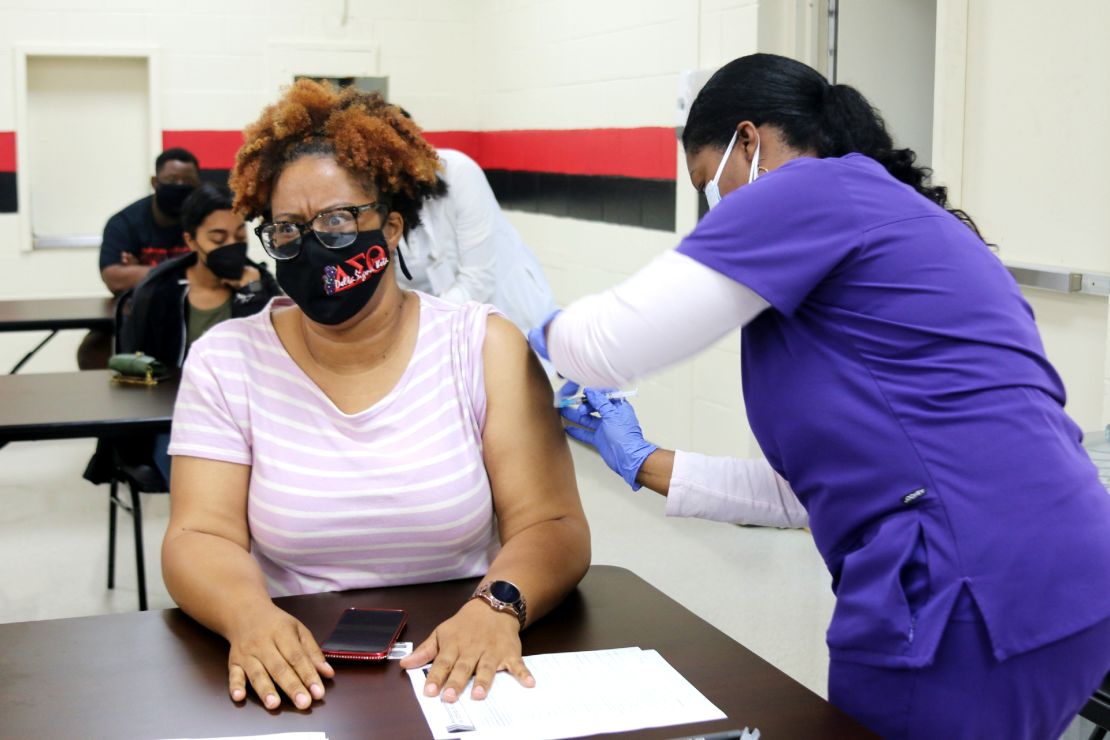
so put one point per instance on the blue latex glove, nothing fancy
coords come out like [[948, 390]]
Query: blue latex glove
[[537, 338], [615, 432], [569, 389]]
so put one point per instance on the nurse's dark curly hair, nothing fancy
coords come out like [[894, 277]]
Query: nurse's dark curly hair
[[372, 140], [831, 120]]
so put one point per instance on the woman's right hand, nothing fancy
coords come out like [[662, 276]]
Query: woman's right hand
[[268, 647]]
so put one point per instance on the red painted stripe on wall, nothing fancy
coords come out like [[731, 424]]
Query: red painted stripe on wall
[[215, 149], [624, 152], [7, 151], [468, 142]]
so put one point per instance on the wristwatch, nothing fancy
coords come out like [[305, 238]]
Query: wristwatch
[[503, 596]]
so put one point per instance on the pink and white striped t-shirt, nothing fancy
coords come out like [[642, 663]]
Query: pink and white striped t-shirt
[[392, 495]]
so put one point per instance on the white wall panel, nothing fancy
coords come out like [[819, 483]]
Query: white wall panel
[[214, 73], [1037, 108]]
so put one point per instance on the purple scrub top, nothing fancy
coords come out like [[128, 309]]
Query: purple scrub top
[[899, 384]]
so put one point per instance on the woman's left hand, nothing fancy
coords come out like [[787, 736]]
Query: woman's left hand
[[477, 641]]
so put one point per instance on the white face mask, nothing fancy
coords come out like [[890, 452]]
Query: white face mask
[[712, 190]]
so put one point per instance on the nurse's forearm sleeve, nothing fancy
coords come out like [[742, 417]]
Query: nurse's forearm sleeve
[[670, 310], [733, 490]]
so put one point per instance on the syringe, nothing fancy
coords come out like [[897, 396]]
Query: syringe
[[567, 402]]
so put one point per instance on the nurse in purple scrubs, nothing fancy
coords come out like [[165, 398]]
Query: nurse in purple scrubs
[[895, 380]]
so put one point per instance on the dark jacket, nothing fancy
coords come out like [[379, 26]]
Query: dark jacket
[[157, 314]]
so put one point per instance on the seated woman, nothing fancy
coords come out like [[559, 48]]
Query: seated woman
[[357, 435], [183, 297]]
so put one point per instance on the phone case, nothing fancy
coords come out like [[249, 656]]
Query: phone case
[[388, 615]]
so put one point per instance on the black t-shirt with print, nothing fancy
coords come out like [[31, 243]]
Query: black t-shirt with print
[[133, 230]]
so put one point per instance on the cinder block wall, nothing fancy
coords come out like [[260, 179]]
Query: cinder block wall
[[584, 65], [480, 66]]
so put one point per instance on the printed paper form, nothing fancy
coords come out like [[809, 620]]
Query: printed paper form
[[583, 693]]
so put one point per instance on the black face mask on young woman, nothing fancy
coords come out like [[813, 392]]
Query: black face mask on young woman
[[227, 262], [332, 285]]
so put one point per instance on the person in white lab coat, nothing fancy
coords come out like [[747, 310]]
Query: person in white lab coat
[[466, 250]]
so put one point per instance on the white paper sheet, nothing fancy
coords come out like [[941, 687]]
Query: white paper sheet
[[583, 693]]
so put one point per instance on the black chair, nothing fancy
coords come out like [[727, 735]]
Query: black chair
[[140, 478], [1097, 710], [126, 460]]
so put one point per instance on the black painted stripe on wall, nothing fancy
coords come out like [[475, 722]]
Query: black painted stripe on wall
[[628, 201], [9, 199], [216, 177]]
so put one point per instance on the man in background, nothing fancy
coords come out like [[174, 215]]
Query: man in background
[[139, 237]]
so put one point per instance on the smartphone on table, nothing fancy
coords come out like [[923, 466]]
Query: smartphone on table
[[365, 634]]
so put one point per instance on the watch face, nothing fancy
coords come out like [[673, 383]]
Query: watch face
[[504, 591]]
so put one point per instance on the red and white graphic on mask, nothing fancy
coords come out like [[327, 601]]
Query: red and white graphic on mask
[[355, 271]]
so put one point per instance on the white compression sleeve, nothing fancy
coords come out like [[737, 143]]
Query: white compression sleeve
[[671, 309], [733, 490]]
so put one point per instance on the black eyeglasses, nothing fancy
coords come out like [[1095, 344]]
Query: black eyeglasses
[[335, 228]]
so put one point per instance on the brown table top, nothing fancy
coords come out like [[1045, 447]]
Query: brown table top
[[159, 674], [57, 313], [81, 404]]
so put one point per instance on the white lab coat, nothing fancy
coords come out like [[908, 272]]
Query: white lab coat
[[466, 250]]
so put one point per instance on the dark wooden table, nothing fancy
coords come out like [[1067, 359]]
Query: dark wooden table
[[88, 404], [159, 674], [56, 313], [53, 315], [81, 404]]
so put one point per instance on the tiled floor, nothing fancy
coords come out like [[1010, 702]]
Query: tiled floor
[[766, 588], [54, 537]]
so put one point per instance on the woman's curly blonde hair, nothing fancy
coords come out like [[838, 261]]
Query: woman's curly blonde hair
[[372, 140]]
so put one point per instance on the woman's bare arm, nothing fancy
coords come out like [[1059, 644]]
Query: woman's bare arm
[[532, 475], [545, 538], [208, 569]]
